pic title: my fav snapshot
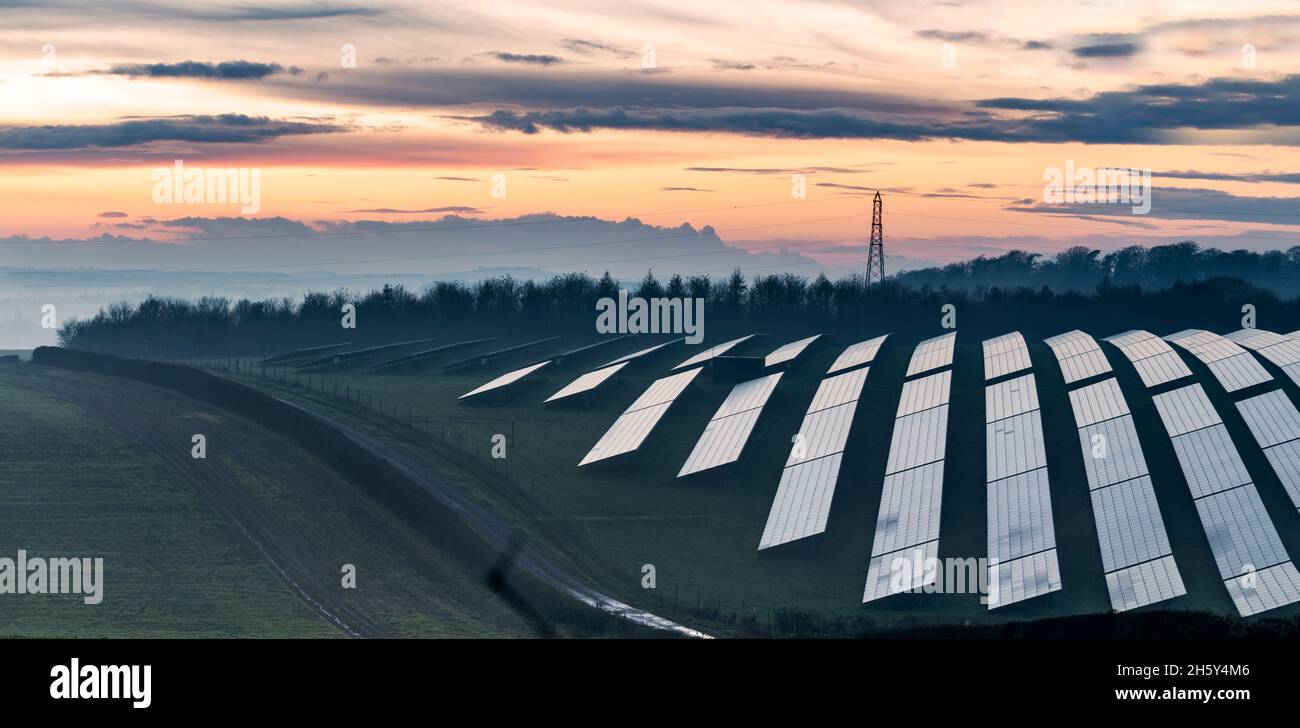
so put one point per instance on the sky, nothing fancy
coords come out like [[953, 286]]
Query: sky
[[439, 138]]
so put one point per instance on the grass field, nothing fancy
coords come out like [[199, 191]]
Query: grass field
[[249, 542], [701, 533]]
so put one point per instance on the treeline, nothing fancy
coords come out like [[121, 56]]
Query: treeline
[[1083, 269], [565, 305]]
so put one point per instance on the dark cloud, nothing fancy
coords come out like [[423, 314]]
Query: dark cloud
[[394, 211], [964, 36], [1174, 203], [112, 213], [592, 48], [778, 170], [533, 59], [831, 124], [224, 71], [457, 179], [1038, 45], [683, 189], [724, 65], [1107, 50], [223, 128], [1284, 177]]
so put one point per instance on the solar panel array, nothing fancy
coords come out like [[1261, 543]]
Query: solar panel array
[[426, 353], [638, 354], [1079, 355], [714, 351], [587, 382], [1252, 562], [932, 354], [1230, 364], [1135, 552], [1283, 351], [863, 352], [727, 432], [803, 498], [789, 352], [1005, 355], [1021, 537], [1156, 362], [1275, 423], [907, 526], [634, 425], [506, 379]]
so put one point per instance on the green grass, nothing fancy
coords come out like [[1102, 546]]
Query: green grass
[[702, 533], [73, 484]]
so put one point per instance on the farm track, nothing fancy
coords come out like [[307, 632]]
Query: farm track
[[282, 546]]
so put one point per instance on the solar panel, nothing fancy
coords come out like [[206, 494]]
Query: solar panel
[[1256, 338], [665, 389], [639, 419], [505, 379], [1012, 397], [907, 527], [302, 353], [1184, 410], [1005, 355], [427, 353], [909, 508], [1111, 452], [485, 357], [1265, 589], [900, 571], [924, 393], [342, 356], [1129, 527], [586, 382], [1285, 459], [1079, 355], [918, 439], [803, 497], [1020, 516], [640, 353], [712, 352], [1243, 539], [863, 352], [1097, 402], [1155, 361], [789, 352], [1024, 578], [1021, 537], [932, 354], [727, 432], [838, 390], [721, 443], [1143, 584], [749, 395], [1014, 445], [1231, 365], [1271, 417], [1136, 556], [627, 433], [823, 432], [1282, 351], [1275, 423], [802, 502]]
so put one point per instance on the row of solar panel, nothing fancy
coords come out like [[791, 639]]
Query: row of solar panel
[[907, 526]]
